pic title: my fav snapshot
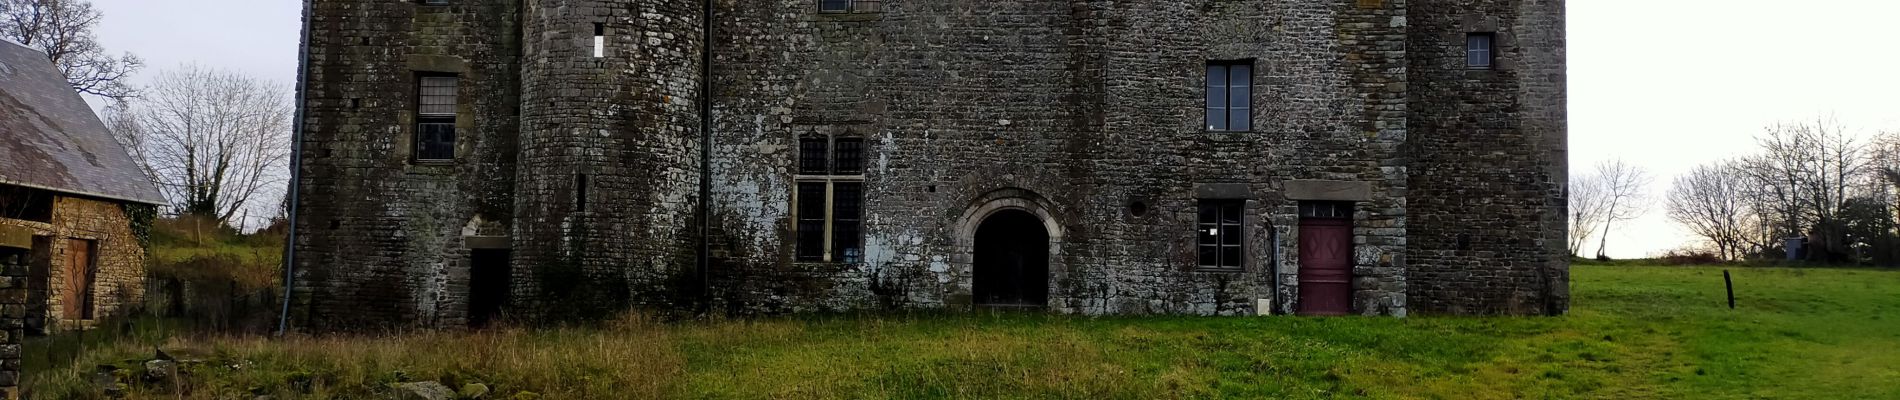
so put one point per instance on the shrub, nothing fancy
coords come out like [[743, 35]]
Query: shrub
[[1690, 257]]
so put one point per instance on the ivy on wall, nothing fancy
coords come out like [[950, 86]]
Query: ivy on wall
[[141, 217]]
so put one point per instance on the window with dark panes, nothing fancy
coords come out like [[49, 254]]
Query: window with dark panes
[[1221, 234], [1480, 50], [811, 221], [812, 156], [847, 210], [1325, 209], [850, 6], [435, 117], [830, 199], [1230, 96]]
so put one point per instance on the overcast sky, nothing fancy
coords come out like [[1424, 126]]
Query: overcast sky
[[1663, 84]]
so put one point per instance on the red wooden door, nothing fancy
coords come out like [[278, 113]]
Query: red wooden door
[[76, 296], [1325, 266]]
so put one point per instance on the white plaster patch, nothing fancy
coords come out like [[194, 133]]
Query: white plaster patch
[[884, 157], [941, 268]]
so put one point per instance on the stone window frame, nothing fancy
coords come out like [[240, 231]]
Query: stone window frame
[[451, 120], [839, 234], [433, 2], [1227, 108], [850, 6], [1220, 229]]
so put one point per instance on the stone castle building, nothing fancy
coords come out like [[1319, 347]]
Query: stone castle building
[[463, 160]]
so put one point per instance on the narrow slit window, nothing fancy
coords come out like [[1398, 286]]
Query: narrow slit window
[[847, 212], [580, 193], [811, 221], [1480, 51], [600, 40]]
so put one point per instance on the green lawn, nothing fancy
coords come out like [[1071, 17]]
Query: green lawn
[[1634, 332]]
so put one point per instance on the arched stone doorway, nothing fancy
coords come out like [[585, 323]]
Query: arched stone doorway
[[1010, 261], [1011, 219]]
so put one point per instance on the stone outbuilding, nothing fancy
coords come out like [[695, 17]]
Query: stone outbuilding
[[462, 160], [86, 204]]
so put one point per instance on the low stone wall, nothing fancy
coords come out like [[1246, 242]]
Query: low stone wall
[[15, 244]]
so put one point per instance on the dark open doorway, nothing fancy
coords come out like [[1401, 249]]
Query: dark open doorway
[[1011, 264], [487, 285], [39, 280]]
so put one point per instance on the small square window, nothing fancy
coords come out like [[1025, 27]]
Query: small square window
[[834, 6], [1480, 51], [812, 156], [850, 156], [1221, 231]]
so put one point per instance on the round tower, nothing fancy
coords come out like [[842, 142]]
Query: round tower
[[609, 169]]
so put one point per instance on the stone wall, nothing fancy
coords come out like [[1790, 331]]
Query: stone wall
[[380, 235], [1488, 159], [1078, 108], [118, 256], [1085, 113], [15, 246]]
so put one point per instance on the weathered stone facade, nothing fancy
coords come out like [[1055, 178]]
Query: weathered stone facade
[[117, 257], [662, 171]]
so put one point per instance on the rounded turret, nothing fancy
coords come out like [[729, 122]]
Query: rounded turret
[[609, 169]]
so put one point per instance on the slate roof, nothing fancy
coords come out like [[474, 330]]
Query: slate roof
[[50, 139]]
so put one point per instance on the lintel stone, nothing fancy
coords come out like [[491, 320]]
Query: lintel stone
[[487, 242], [1328, 190], [1223, 191], [18, 237]]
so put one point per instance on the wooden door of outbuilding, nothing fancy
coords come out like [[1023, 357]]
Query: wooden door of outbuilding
[[76, 295]]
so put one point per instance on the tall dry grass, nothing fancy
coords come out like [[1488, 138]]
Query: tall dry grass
[[627, 358]]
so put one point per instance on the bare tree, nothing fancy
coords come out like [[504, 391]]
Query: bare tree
[[1588, 201], [1710, 202], [63, 29], [216, 142], [1625, 187], [1806, 172]]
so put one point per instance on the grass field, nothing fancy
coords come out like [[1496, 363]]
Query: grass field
[[1634, 332]]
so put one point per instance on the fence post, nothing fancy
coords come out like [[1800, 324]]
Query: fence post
[[1731, 289]]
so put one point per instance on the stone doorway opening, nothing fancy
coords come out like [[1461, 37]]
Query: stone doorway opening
[[1010, 264], [487, 285]]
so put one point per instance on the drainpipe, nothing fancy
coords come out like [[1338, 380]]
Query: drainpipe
[[702, 273], [296, 171]]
